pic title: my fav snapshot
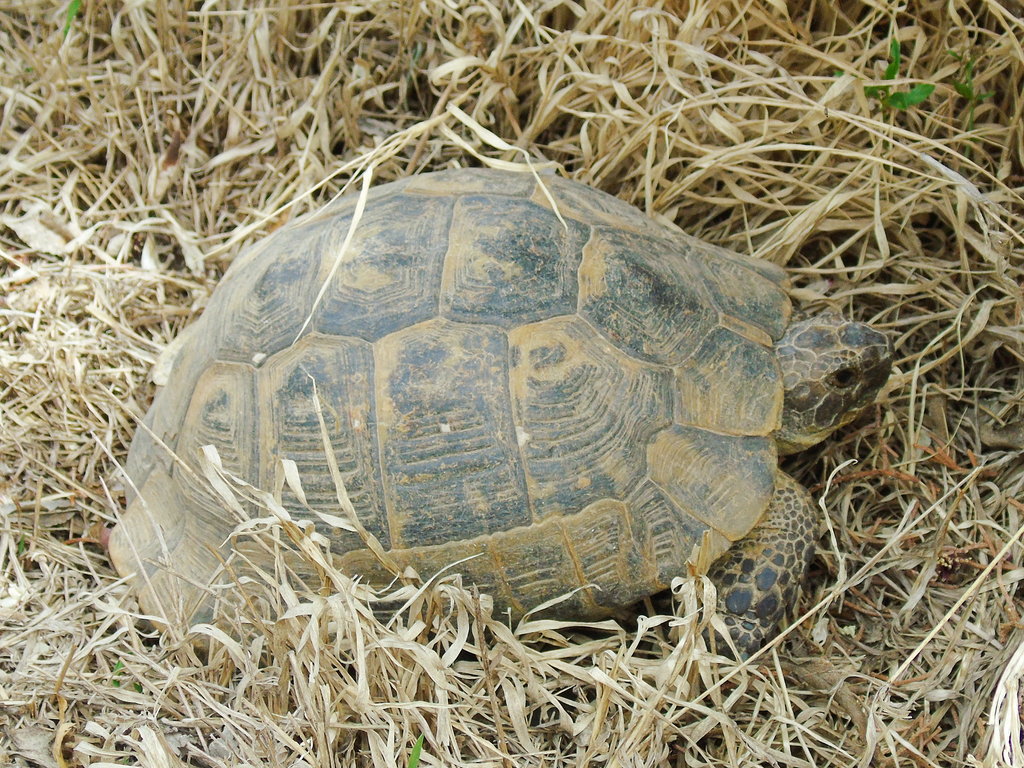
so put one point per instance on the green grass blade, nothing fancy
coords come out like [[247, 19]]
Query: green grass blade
[[72, 14], [414, 756]]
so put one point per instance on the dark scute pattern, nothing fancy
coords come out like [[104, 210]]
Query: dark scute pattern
[[603, 552], [452, 469], [342, 370], [506, 275], [585, 414], [645, 295], [262, 309], [390, 277]]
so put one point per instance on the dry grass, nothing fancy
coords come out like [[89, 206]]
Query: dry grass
[[154, 142]]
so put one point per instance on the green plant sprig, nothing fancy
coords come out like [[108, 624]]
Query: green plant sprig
[[965, 87], [891, 99]]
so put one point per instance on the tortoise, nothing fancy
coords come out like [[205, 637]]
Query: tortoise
[[518, 374]]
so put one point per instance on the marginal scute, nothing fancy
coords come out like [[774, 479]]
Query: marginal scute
[[537, 566], [612, 550], [595, 559], [640, 292], [136, 541], [510, 276], [451, 466], [341, 371], [165, 418], [723, 481], [773, 273], [390, 276], [477, 565], [185, 546], [584, 412], [347, 203], [714, 387], [192, 518], [673, 532]]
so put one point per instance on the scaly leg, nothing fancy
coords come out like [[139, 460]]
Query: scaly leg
[[759, 578]]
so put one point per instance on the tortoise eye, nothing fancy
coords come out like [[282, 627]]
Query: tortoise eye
[[843, 378]]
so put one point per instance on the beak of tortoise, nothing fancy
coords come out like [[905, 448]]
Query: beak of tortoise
[[878, 356]]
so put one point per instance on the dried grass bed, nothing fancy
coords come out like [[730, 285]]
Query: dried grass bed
[[148, 147]]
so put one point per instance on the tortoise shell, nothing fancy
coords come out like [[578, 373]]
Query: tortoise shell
[[528, 373]]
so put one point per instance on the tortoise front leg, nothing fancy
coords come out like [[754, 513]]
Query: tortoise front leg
[[759, 578]]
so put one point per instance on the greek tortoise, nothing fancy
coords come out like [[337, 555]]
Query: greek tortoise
[[561, 402]]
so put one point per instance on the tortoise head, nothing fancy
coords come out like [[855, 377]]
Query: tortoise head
[[831, 368]]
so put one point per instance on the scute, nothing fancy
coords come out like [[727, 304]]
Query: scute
[[723, 481], [510, 276], [252, 321], [390, 277], [713, 387], [181, 547], [341, 372], [742, 290], [640, 294], [447, 437], [673, 531], [584, 413], [612, 551]]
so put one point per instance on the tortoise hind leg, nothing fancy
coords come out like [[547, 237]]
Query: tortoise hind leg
[[759, 578]]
